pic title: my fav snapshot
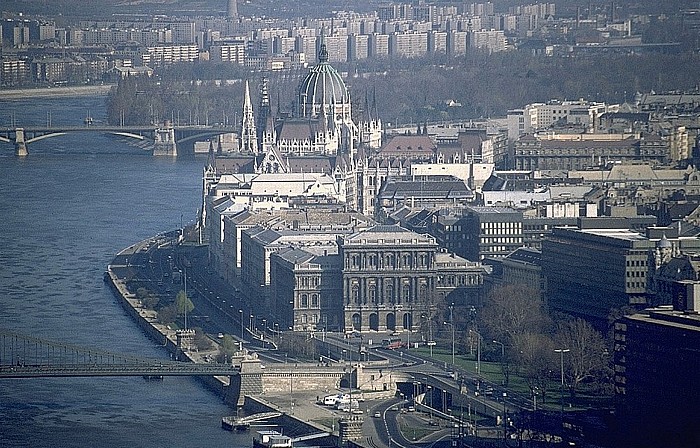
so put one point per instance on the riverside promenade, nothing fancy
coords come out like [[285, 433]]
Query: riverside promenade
[[302, 416], [54, 92]]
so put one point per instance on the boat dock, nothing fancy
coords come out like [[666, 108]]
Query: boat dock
[[240, 424]]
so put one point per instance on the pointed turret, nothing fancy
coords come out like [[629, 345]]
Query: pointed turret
[[322, 49], [249, 138], [375, 112], [370, 127], [366, 113], [211, 159], [264, 111]]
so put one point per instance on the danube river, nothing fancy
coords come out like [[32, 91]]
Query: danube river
[[66, 210]]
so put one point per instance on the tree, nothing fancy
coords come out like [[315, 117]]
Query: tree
[[200, 340], [228, 348], [183, 304], [299, 345], [536, 361], [167, 314], [141, 293], [586, 357], [151, 301], [512, 311]]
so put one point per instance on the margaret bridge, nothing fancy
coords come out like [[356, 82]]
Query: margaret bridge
[[164, 140]]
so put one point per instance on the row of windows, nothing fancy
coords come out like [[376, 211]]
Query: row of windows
[[454, 280], [305, 282], [636, 274], [500, 225], [373, 261], [389, 297], [504, 240], [504, 231], [496, 249], [304, 301], [304, 319]]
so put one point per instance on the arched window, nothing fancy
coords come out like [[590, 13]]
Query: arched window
[[356, 321], [372, 261], [373, 294], [304, 301], [423, 292], [390, 295], [406, 292], [314, 300]]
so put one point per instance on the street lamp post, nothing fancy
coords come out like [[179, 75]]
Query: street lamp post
[[264, 330], [241, 314], [505, 419], [503, 358], [429, 390], [291, 388], [478, 351], [453, 341], [561, 352], [452, 322], [430, 336]]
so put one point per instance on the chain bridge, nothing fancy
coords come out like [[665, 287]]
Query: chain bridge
[[166, 139], [23, 356]]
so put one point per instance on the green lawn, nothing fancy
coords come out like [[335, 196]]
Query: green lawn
[[415, 432], [492, 372]]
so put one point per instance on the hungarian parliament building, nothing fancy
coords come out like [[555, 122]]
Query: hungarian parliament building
[[292, 212]]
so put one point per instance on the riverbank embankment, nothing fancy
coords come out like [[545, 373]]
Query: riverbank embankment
[[305, 415], [147, 319], [9, 94]]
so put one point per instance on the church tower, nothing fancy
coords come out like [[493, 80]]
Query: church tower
[[232, 11], [265, 124], [370, 125], [248, 138]]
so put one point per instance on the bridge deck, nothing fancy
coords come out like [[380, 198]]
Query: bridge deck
[[87, 370]]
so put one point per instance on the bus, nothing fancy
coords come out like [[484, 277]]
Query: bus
[[392, 344]]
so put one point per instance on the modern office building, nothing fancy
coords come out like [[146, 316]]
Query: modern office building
[[477, 232], [656, 364], [592, 271]]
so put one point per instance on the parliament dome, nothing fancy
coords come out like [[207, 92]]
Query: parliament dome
[[322, 89]]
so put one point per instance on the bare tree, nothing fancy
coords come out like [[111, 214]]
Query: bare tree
[[512, 311], [536, 361], [586, 358]]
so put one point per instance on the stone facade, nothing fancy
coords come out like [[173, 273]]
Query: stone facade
[[389, 278]]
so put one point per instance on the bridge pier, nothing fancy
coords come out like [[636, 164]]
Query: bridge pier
[[165, 142], [20, 143]]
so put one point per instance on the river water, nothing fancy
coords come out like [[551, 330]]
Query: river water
[[65, 211]]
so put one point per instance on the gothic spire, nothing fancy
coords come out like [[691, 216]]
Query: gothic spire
[[322, 50], [264, 109], [211, 160], [367, 114], [375, 113], [249, 139]]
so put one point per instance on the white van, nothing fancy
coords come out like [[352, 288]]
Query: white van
[[332, 400]]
